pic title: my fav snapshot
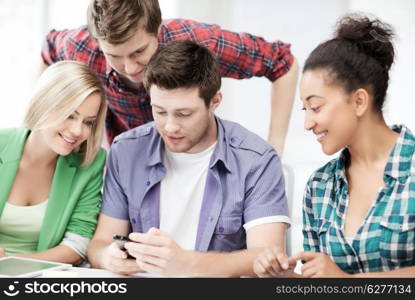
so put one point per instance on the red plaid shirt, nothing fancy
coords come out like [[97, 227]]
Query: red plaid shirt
[[240, 55]]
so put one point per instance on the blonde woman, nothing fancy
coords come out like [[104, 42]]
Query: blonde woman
[[51, 169]]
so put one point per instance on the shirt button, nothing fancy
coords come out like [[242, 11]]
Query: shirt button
[[133, 220], [221, 229], [232, 140], [211, 219], [148, 183]]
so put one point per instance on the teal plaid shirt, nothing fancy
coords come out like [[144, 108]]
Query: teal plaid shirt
[[386, 239]]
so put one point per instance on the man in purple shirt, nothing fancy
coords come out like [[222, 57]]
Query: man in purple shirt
[[197, 195]]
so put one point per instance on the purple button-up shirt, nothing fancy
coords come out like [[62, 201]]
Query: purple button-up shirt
[[244, 182]]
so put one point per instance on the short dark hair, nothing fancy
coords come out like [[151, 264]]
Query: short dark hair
[[359, 56], [115, 21], [184, 64]]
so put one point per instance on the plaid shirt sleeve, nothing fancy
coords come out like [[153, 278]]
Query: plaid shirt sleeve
[[53, 49], [72, 44], [311, 242], [240, 55]]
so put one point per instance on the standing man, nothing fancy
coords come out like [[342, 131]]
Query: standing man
[[121, 37], [197, 195]]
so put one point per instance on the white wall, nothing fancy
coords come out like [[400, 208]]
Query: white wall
[[400, 105], [19, 30], [23, 25]]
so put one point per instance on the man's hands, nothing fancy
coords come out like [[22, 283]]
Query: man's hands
[[156, 252], [115, 260], [272, 262], [318, 265]]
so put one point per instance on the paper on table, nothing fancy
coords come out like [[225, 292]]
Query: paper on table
[[145, 274], [59, 274], [152, 275]]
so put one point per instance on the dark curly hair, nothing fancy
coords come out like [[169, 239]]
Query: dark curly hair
[[359, 56]]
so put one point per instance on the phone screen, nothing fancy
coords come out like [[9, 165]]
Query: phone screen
[[120, 241]]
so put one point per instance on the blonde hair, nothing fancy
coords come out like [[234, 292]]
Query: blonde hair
[[60, 90]]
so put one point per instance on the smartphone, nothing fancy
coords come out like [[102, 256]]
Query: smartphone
[[120, 240]]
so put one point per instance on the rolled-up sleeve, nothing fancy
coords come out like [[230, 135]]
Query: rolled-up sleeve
[[84, 216], [265, 196], [76, 242], [53, 48], [309, 232], [243, 55], [240, 55]]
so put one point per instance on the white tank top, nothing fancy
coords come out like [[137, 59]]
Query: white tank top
[[20, 227]]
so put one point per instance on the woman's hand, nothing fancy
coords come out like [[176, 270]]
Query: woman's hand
[[318, 265], [273, 262]]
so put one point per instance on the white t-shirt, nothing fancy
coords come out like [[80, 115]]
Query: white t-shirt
[[181, 194]]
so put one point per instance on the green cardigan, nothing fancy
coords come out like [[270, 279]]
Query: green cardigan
[[75, 194]]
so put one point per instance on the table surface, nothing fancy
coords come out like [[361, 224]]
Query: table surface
[[93, 273]]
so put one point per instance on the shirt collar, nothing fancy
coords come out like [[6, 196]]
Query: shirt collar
[[221, 150], [340, 165], [399, 161], [109, 69], [156, 147], [155, 151]]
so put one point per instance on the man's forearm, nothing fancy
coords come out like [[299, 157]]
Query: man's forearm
[[217, 264], [282, 99], [95, 253]]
